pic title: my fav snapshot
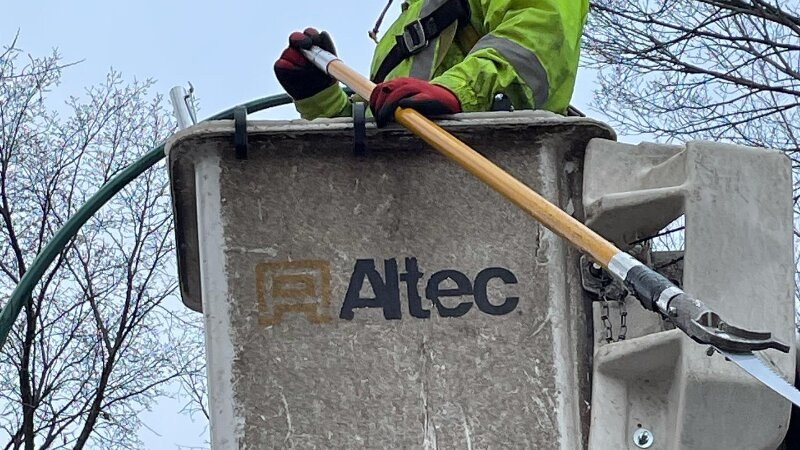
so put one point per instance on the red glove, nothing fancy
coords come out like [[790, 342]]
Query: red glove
[[427, 98], [298, 76]]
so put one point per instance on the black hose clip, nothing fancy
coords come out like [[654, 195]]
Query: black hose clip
[[240, 131], [359, 128], [502, 102]]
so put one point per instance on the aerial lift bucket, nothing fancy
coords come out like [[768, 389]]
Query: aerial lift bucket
[[392, 301]]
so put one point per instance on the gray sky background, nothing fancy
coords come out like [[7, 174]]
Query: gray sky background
[[226, 49]]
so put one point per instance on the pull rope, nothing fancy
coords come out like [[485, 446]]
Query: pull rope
[[374, 33]]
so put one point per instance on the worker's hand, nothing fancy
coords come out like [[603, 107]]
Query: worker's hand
[[298, 76], [427, 98]]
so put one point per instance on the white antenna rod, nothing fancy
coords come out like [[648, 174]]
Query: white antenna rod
[[177, 96]]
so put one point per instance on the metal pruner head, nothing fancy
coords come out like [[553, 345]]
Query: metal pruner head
[[707, 327]]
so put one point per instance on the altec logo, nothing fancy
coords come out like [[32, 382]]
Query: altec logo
[[304, 287], [387, 290]]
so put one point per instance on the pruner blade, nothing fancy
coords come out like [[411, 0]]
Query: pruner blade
[[763, 372]]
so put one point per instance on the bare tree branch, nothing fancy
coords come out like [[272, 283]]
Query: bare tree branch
[[97, 345]]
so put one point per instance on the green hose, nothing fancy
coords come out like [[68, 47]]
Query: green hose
[[64, 235]]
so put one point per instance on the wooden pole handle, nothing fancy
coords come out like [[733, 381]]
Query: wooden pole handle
[[501, 181]]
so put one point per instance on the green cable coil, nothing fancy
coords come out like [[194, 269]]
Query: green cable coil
[[70, 229]]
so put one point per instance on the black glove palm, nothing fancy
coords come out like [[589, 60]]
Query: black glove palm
[[298, 76]]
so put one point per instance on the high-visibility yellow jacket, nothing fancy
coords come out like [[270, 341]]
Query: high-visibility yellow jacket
[[525, 49]]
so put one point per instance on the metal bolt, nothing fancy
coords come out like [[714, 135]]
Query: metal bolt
[[596, 270], [643, 438]]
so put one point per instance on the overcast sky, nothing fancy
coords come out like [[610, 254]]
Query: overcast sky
[[226, 49]]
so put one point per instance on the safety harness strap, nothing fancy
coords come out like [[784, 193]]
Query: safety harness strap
[[419, 34]]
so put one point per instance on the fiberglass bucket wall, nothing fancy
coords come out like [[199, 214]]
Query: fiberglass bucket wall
[[385, 301], [394, 301]]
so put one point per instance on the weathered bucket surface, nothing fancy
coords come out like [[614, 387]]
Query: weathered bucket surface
[[390, 300]]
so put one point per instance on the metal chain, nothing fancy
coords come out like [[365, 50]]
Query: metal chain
[[606, 320], [619, 298], [597, 282], [623, 319]]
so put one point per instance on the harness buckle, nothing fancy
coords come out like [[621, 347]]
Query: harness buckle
[[414, 37]]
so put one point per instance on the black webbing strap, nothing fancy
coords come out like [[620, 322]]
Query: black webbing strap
[[240, 131], [419, 34], [359, 128]]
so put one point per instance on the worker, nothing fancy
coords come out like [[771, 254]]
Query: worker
[[449, 56]]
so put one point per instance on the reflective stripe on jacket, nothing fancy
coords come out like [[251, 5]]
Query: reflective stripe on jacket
[[527, 50]]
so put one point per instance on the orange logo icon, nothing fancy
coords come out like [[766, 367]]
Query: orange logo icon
[[300, 287]]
